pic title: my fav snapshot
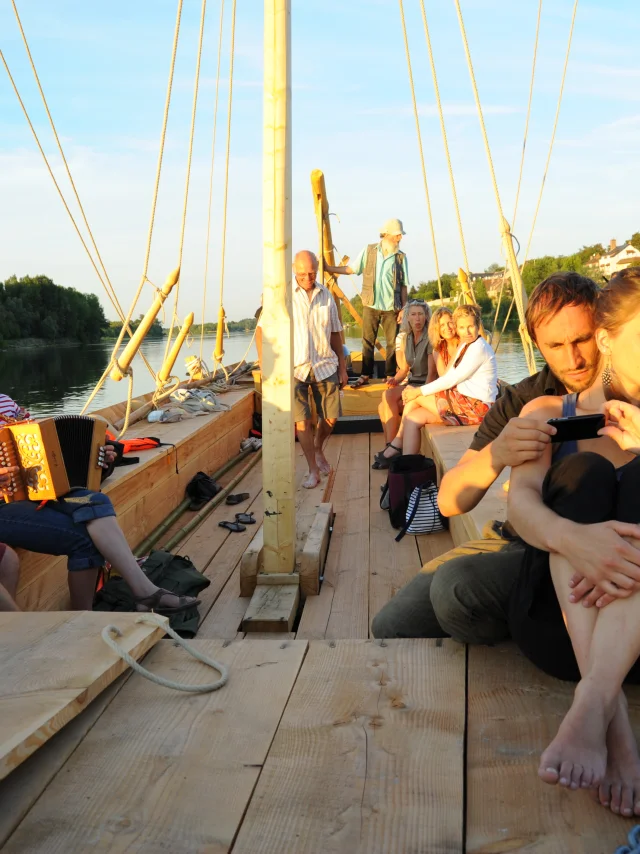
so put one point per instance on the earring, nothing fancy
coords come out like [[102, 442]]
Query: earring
[[607, 377]]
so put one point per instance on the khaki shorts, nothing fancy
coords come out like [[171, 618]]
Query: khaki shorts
[[326, 395]]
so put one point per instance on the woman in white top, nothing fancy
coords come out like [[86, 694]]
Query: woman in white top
[[416, 365], [461, 396]]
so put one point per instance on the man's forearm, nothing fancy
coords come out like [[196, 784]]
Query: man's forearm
[[338, 349], [537, 524], [465, 485]]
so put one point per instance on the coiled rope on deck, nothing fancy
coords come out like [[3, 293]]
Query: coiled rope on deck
[[154, 620]]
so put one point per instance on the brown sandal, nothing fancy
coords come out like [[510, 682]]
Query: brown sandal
[[152, 603], [361, 381]]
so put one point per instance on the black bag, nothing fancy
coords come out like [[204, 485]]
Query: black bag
[[405, 473], [173, 572]]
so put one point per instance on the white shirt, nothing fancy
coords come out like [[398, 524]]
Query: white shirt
[[476, 376], [313, 322]]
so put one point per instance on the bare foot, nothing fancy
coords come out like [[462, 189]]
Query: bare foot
[[323, 463], [311, 480], [620, 788], [577, 756]]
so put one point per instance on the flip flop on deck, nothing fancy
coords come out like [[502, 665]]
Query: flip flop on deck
[[235, 527]]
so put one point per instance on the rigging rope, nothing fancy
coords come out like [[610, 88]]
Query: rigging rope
[[446, 143], [218, 355], [213, 151], [422, 163], [553, 133], [526, 124], [526, 341], [106, 282], [183, 224], [154, 202]]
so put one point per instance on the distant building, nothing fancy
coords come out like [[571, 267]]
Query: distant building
[[616, 258], [492, 282]]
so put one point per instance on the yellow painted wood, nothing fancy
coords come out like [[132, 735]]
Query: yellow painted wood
[[126, 357], [277, 330], [165, 371], [273, 607], [51, 666]]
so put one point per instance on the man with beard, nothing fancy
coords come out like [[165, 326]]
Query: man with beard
[[465, 592]]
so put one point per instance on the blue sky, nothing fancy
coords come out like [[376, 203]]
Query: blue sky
[[104, 69]]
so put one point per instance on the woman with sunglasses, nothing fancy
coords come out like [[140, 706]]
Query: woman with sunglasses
[[416, 365]]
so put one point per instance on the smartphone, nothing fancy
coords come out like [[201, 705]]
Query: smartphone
[[575, 427]]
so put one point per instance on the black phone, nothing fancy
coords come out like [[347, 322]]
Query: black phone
[[575, 427]]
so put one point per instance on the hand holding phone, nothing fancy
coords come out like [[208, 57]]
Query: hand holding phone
[[575, 427]]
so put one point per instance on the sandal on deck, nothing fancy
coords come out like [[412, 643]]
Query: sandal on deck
[[382, 462], [361, 381], [237, 499], [152, 603], [245, 518], [235, 527]]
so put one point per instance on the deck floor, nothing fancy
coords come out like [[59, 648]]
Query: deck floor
[[323, 740]]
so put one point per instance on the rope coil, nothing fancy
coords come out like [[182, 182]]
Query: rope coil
[[154, 620]]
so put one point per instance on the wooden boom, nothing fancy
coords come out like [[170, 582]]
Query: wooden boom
[[119, 371]]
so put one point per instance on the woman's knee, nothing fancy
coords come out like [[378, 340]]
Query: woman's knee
[[581, 487]]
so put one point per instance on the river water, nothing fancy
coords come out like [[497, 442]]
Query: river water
[[52, 379]]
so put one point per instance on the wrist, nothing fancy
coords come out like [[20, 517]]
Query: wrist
[[559, 536]]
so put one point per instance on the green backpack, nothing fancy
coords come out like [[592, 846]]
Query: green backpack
[[173, 572]]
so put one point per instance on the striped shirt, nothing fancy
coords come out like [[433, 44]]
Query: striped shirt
[[314, 320], [9, 408]]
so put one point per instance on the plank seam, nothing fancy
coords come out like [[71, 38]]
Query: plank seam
[[266, 758]]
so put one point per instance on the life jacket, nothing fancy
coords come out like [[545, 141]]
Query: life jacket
[[136, 445]]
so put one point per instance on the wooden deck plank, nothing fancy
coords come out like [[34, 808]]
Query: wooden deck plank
[[368, 758], [165, 772], [224, 618], [22, 788], [50, 670], [341, 610], [392, 565], [514, 712]]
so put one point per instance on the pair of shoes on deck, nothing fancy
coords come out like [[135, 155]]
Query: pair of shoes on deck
[[242, 520], [382, 462]]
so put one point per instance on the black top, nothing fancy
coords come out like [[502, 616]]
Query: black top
[[511, 402]]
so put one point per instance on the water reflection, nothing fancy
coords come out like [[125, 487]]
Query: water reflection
[[54, 379]]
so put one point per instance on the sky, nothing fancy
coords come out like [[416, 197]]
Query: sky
[[104, 69]]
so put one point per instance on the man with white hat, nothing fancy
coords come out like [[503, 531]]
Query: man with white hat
[[385, 280]]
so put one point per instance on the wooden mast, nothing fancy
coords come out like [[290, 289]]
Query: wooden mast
[[277, 332]]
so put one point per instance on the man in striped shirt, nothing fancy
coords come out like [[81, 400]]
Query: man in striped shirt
[[319, 366]]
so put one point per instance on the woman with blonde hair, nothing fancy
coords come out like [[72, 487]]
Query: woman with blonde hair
[[444, 338], [416, 365], [461, 396]]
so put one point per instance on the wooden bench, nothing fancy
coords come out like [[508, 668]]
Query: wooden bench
[[145, 493], [446, 445]]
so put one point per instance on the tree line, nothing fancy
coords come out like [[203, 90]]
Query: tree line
[[35, 307]]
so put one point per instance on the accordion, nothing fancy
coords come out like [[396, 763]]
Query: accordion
[[53, 456]]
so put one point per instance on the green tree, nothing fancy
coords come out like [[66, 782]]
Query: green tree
[[634, 240]]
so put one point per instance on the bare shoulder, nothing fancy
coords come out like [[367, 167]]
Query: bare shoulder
[[543, 408]]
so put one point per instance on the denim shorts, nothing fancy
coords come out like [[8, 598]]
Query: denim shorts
[[57, 528]]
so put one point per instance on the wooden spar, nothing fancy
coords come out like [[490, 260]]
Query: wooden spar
[[321, 205], [218, 353], [123, 363], [277, 332], [519, 294], [463, 278], [165, 371]]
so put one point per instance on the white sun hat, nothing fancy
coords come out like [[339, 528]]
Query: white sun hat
[[392, 226]]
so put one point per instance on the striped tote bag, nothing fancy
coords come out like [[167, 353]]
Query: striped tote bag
[[423, 515]]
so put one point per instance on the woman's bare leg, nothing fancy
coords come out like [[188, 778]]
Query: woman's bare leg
[[606, 644], [414, 419], [112, 545], [390, 412]]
